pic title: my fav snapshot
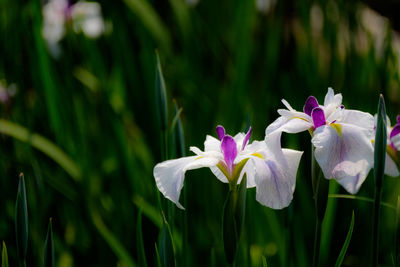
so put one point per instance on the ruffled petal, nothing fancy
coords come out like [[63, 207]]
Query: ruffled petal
[[170, 174], [358, 118], [344, 153], [292, 125]]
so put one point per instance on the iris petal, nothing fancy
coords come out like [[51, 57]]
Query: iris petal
[[246, 138], [229, 150], [318, 117], [220, 132], [395, 131], [310, 104]]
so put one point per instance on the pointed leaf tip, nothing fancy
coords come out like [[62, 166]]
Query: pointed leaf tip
[[48, 256], [380, 143], [4, 256], [21, 220]]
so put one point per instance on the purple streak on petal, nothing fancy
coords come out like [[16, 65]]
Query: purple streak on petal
[[398, 118], [318, 117], [229, 150], [310, 104], [246, 138], [395, 131], [220, 132], [341, 106]]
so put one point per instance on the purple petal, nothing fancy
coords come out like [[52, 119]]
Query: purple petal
[[229, 150], [395, 131], [220, 132], [318, 117], [310, 104], [246, 138]]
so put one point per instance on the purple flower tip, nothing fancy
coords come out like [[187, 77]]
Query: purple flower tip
[[395, 131], [310, 104], [318, 117], [229, 150], [246, 138], [220, 132], [341, 106], [398, 118]]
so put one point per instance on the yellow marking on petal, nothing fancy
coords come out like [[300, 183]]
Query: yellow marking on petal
[[299, 118], [337, 127], [199, 157], [258, 155]]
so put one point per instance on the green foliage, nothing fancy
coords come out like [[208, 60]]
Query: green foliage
[[21, 221], [346, 244], [4, 256], [48, 255], [84, 127], [233, 219]]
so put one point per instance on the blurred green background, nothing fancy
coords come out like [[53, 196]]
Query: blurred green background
[[224, 62]]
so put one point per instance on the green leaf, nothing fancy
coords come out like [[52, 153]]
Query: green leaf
[[39, 142], [380, 143], [111, 240], [397, 234], [48, 255], [165, 247], [139, 241], [320, 187], [4, 256], [264, 261], [346, 243], [151, 20], [157, 256], [21, 220], [233, 219], [161, 95]]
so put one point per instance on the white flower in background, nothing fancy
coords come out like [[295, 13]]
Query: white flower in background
[[392, 147], [341, 137], [7, 92], [83, 16], [269, 168]]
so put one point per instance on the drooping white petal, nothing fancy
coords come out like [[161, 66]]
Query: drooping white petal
[[344, 154], [391, 167], [273, 188], [170, 174], [275, 175], [358, 118], [292, 125], [293, 158]]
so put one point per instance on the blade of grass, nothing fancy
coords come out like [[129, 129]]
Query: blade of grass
[[166, 246], [366, 199], [397, 234], [4, 256], [39, 142], [111, 240], [48, 256], [151, 20], [346, 243], [139, 241], [379, 172], [21, 221]]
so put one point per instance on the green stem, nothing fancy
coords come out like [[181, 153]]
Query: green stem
[[375, 233], [317, 241]]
